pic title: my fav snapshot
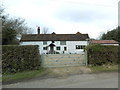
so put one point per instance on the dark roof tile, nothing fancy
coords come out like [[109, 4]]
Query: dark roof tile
[[104, 41], [54, 37]]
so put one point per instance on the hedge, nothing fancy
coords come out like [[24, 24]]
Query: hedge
[[103, 54], [16, 58]]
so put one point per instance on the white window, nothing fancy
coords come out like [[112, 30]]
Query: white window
[[77, 46], [62, 42], [44, 42], [65, 48], [44, 48], [57, 48], [80, 46]]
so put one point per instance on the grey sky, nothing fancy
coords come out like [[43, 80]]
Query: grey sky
[[66, 16], [119, 13]]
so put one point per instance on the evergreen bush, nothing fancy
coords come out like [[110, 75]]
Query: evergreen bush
[[103, 54], [17, 58]]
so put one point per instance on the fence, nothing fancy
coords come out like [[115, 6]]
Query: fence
[[62, 60]]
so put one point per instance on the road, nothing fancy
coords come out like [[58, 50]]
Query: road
[[99, 80]]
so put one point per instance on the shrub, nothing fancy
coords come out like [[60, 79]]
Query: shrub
[[16, 58], [102, 54]]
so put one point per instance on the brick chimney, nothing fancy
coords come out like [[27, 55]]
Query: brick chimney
[[38, 29], [53, 33], [78, 33]]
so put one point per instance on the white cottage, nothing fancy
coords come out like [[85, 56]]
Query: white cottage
[[57, 43]]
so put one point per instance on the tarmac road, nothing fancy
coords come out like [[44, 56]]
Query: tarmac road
[[98, 80]]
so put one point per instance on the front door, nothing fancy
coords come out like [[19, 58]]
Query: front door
[[52, 48]]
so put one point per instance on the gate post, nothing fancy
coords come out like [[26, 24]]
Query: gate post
[[86, 59], [42, 60]]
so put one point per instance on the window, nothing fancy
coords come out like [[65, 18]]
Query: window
[[57, 48], [53, 41], [62, 42], [77, 46], [44, 48], [65, 48], [44, 42], [80, 46]]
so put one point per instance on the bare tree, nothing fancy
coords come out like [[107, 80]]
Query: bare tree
[[45, 30]]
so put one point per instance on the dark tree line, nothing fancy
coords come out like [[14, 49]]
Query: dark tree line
[[111, 35], [12, 28]]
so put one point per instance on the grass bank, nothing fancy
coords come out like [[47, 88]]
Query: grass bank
[[103, 68], [9, 77]]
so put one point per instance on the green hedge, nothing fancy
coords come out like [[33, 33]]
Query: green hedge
[[102, 54], [16, 58]]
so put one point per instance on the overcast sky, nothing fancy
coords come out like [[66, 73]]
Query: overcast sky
[[66, 16]]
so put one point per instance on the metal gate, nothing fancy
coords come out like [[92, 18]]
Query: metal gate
[[62, 60]]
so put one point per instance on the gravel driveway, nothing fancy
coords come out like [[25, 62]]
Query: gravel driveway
[[98, 80]]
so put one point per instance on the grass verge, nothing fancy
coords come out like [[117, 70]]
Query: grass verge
[[103, 68], [23, 75]]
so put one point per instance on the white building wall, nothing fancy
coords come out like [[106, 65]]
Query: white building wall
[[71, 46]]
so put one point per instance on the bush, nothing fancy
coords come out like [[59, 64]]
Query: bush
[[102, 54], [20, 58]]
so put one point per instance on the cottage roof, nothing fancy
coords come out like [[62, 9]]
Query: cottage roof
[[54, 37], [104, 42]]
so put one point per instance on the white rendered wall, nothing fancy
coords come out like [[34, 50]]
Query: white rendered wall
[[71, 46]]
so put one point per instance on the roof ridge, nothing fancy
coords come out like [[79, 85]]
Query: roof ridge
[[55, 34], [54, 37]]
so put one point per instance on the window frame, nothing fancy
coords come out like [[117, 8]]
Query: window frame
[[58, 48], [77, 47], [80, 47], [62, 42], [44, 42], [44, 48], [65, 48]]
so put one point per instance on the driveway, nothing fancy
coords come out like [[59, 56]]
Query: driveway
[[98, 80]]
